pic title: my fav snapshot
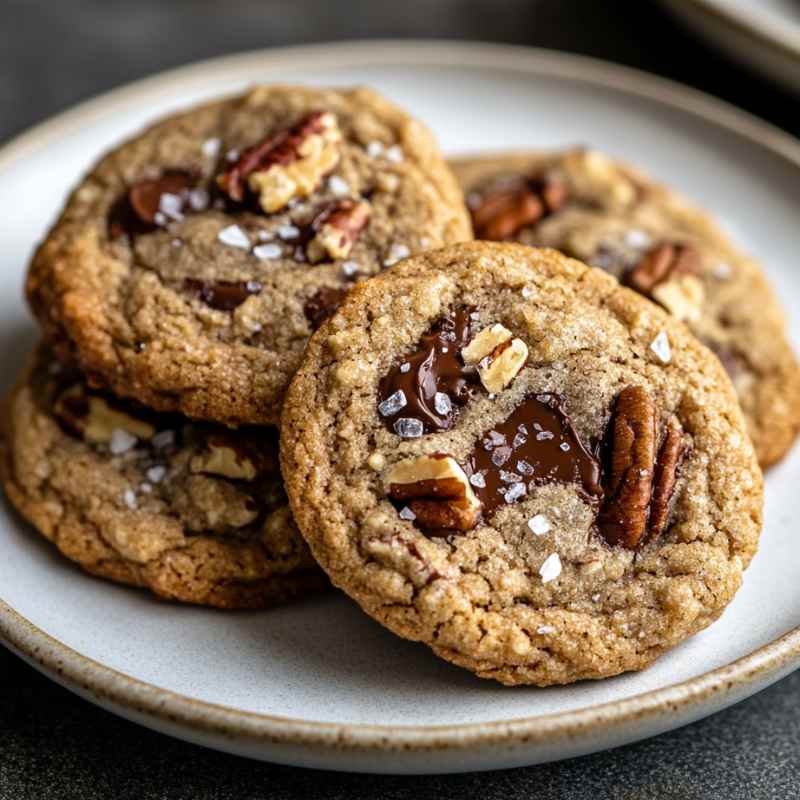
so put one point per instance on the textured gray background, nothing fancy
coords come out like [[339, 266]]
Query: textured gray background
[[54, 53]]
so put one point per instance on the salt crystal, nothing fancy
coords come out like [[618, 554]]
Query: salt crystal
[[198, 199], [442, 404], [524, 467], [545, 629], [408, 428], [264, 252], [660, 346], [288, 231], [338, 186], [375, 149], [527, 292], [392, 404], [121, 441], [129, 498], [234, 236], [551, 568], [349, 268], [564, 446], [638, 238], [232, 155], [539, 524], [509, 477], [543, 436], [515, 491], [405, 367], [145, 487], [395, 154], [171, 205], [211, 148], [500, 455], [156, 474], [265, 236], [478, 480], [397, 252], [407, 513]]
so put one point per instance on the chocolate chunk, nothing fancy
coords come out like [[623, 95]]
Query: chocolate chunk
[[223, 295], [323, 304], [151, 204], [423, 391], [536, 444]]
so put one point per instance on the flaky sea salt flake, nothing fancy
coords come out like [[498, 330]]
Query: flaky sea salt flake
[[392, 404], [539, 524], [551, 568], [408, 428], [121, 441], [234, 236], [660, 346]]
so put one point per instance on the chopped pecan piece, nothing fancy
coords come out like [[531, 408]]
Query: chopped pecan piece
[[337, 228], [661, 263], [641, 476], [502, 213], [498, 356], [436, 491], [289, 164]]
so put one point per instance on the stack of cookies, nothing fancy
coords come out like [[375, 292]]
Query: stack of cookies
[[538, 468]]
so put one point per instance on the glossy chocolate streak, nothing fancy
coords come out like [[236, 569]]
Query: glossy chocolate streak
[[323, 304], [536, 444], [223, 295], [433, 380]]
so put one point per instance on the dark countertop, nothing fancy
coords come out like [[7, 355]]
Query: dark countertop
[[54, 745]]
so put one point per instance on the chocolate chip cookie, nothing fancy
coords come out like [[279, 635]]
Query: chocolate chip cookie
[[192, 263], [193, 511], [608, 215], [503, 453]]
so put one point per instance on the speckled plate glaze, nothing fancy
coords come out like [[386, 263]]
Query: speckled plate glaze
[[765, 34], [318, 684]]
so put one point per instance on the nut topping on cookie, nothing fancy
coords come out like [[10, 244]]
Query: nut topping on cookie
[[436, 491], [434, 380], [287, 165], [222, 456], [223, 295], [535, 444], [502, 213], [498, 357], [337, 229], [641, 477], [94, 419], [662, 263]]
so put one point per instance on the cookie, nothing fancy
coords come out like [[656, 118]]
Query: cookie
[[192, 263], [607, 215], [502, 453], [193, 511]]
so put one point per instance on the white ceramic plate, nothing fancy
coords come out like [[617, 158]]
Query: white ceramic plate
[[319, 684], [765, 34]]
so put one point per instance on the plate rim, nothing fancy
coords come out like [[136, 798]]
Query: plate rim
[[109, 686], [765, 28]]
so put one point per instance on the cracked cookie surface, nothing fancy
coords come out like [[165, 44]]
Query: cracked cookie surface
[[192, 263], [194, 512], [570, 518], [610, 216]]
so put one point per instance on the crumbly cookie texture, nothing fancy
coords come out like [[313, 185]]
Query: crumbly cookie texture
[[610, 216], [190, 266], [195, 512], [618, 495]]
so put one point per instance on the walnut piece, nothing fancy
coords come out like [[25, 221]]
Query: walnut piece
[[437, 491], [287, 165], [222, 457], [337, 229], [93, 418], [498, 355], [641, 476]]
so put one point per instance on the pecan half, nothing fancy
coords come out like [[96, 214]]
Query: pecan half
[[436, 492], [641, 476], [337, 228], [289, 164], [668, 462], [501, 214], [661, 263], [623, 518]]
